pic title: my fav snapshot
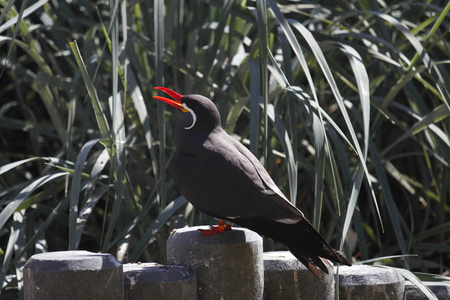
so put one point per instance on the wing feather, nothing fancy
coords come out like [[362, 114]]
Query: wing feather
[[236, 184]]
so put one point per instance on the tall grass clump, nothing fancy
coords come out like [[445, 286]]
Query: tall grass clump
[[346, 104]]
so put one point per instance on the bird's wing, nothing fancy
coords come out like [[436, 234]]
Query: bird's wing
[[271, 189], [225, 180]]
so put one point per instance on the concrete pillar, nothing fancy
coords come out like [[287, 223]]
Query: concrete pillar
[[285, 277], [361, 282], [65, 275], [228, 265], [155, 281], [441, 289]]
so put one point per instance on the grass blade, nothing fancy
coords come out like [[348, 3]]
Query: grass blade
[[6, 213], [421, 52], [255, 88], [75, 191], [96, 104], [413, 278], [16, 229], [159, 81], [261, 8], [25, 14], [388, 198]]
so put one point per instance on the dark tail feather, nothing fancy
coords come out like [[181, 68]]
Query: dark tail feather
[[316, 252], [323, 249], [302, 239], [312, 267]]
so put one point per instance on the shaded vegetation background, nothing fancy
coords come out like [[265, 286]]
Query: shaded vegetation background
[[346, 103]]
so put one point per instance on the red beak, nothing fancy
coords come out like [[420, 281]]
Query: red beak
[[175, 103]]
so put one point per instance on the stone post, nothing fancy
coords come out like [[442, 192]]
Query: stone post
[[285, 277], [155, 281], [441, 289], [361, 282], [70, 275], [228, 265]]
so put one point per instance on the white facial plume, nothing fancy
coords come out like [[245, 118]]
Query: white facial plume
[[194, 117]]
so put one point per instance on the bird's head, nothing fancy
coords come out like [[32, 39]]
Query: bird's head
[[199, 114]]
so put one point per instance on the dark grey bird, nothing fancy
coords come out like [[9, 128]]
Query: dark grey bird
[[222, 178]]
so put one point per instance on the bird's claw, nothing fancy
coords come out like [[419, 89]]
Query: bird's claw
[[219, 228]]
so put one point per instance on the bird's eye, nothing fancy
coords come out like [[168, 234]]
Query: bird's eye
[[194, 116]]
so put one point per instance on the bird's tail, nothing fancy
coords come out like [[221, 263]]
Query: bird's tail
[[303, 241], [318, 253], [313, 263]]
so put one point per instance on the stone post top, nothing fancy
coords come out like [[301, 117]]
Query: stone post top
[[191, 235], [137, 267], [74, 260], [281, 260], [155, 272], [364, 274], [279, 255], [227, 265]]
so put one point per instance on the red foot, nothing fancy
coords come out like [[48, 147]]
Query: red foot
[[221, 227]]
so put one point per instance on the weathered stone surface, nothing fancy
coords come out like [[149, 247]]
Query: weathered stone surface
[[285, 277], [441, 289], [65, 275], [156, 281], [361, 282], [228, 265]]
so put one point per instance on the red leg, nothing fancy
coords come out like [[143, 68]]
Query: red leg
[[221, 227]]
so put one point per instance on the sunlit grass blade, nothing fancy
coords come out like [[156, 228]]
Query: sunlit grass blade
[[98, 108], [422, 53], [113, 50], [379, 260], [16, 30], [38, 197], [25, 14], [431, 277], [362, 81], [118, 123], [13, 165], [17, 225], [119, 165], [413, 278], [5, 12]]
